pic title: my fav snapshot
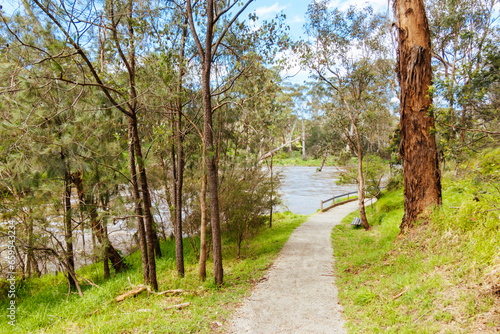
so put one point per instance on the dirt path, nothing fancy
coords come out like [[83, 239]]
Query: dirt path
[[299, 294]]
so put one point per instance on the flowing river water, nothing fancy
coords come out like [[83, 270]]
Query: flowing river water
[[304, 188]]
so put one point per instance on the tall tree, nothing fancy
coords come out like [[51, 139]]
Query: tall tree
[[214, 13], [422, 179]]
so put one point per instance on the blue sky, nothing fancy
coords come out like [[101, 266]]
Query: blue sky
[[295, 11]]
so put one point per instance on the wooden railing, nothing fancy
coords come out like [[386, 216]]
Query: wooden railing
[[336, 197], [348, 199]]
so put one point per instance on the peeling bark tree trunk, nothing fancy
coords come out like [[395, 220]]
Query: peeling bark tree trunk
[[422, 178]]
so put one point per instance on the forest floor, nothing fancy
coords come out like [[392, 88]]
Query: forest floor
[[298, 294]]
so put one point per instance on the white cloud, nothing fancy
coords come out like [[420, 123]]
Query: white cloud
[[377, 5], [297, 19], [266, 11]]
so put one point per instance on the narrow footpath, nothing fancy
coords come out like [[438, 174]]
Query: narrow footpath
[[298, 294]]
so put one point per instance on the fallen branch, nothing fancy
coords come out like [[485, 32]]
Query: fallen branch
[[178, 306], [86, 280], [270, 153], [170, 292], [400, 294], [133, 293]]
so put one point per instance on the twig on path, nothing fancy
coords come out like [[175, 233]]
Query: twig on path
[[178, 306], [400, 294], [421, 316]]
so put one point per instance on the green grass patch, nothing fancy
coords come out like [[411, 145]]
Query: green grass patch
[[442, 277], [42, 304], [295, 159]]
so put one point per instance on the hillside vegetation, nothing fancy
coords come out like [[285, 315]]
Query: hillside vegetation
[[444, 277]]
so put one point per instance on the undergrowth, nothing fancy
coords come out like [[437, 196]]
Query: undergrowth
[[42, 304], [442, 277]]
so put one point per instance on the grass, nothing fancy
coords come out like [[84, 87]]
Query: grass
[[295, 159], [442, 277], [42, 306]]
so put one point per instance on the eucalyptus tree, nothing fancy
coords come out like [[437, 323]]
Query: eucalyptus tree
[[462, 32], [422, 179], [347, 53]]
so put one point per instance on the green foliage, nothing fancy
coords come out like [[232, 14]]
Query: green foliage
[[375, 169], [246, 197]]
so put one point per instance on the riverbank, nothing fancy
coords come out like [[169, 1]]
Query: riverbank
[[443, 277], [295, 159], [42, 303]]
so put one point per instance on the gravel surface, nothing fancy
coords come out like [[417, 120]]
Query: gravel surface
[[298, 294]]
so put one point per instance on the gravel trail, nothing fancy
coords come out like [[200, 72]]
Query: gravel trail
[[298, 294]]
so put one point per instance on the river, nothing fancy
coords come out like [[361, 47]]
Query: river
[[304, 188]]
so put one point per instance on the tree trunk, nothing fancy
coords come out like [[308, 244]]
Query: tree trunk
[[203, 224], [138, 208], [272, 190], [206, 53], [303, 141], [105, 263], [68, 226], [213, 179], [168, 196], [322, 164], [422, 178], [211, 161], [361, 180], [146, 202], [179, 247]]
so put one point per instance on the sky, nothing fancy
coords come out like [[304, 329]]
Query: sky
[[295, 11]]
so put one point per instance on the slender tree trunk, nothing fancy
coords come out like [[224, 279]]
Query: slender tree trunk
[[105, 262], [211, 161], [303, 141], [203, 224], [422, 178], [206, 53], [168, 196], [322, 164], [464, 124], [146, 202], [361, 180], [151, 237], [213, 179], [138, 209], [68, 226], [272, 190], [179, 247]]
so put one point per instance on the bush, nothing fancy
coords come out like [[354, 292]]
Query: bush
[[245, 199]]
